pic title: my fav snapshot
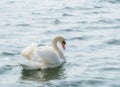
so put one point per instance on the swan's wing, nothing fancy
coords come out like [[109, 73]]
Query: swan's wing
[[30, 65], [47, 55], [29, 51]]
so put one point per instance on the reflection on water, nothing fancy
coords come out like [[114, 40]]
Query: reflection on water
[[43, 75]]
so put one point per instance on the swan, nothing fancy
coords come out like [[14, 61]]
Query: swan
[[42, 57]]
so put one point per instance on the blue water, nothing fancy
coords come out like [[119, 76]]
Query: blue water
[[92, 31]]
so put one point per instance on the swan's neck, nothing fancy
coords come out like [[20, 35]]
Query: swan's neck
[[55, 47]]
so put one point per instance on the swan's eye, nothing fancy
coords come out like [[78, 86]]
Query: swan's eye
[[63, 42]]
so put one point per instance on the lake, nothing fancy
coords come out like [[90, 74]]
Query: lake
[[92, 32]]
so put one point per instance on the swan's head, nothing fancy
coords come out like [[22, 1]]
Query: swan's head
[[59, 39], [62, 41]]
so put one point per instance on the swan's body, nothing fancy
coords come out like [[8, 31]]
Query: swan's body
[[44, 56]]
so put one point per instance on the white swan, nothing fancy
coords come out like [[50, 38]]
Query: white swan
[[44, 56]]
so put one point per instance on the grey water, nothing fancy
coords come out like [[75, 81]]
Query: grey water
[[92, 32]]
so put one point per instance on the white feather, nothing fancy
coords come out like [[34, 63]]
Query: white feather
[[42, 57]]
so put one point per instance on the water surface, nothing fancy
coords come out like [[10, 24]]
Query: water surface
[[92, 31]]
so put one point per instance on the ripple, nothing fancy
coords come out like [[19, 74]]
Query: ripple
[[11, 2], [5, 68], [118, 19], [110, 1], [22, 25], [7, 24], [105, 27], [93, 82], [111, 69], [36, 13], [67, 30], [82, 22], [115, 85], [78, 38], [106, 21], [8, 54], [96, 47], [75, 83], [114, 42], [83, 8], [114, 1], [57, 22], [66, 14], [98, 7], [68, 8]]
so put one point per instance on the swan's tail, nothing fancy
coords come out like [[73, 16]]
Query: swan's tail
[[28, 51], [30, 65]]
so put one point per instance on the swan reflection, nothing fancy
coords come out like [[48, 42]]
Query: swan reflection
[[43, 75]]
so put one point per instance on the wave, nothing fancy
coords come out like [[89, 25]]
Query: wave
[[114, 42], [8, 54], [110, 1]]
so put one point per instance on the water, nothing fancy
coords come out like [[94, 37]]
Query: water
[[92, 30]]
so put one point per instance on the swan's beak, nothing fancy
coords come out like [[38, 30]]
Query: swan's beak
[[63, 44]]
